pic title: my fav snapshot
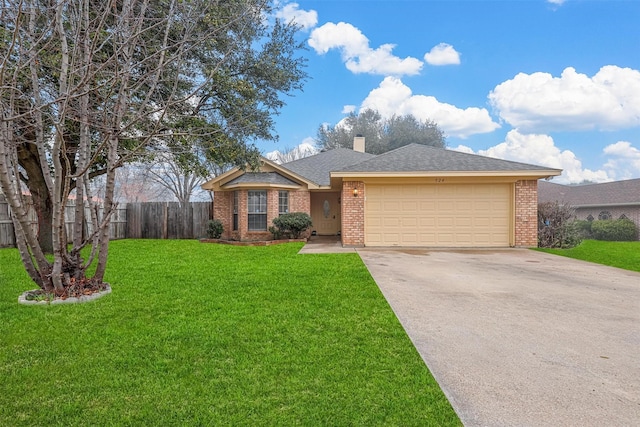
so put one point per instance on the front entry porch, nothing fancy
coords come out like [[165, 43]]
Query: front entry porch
[[325, 213]]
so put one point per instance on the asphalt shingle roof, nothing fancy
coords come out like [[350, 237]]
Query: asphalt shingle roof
[[423, 158], [317, 168], [261, 178], [607, 193]]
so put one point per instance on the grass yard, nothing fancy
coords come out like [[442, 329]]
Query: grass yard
[[616, 254], [200, 334]]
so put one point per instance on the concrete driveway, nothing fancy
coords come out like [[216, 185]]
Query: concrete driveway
[[517, 337]]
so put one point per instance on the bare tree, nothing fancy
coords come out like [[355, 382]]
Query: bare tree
[[290, 154], [180, 183], [133, 185], [556, 227], [88, 85]]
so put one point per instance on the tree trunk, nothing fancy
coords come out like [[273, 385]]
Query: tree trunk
[[29, 160]]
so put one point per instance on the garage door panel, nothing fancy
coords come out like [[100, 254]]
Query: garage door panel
[[390, 206], [438, 215], [500, 222], [409, 206], [409, 222], [391, 222], [501, 206], [446, 239], [374, 239], [427, 205], [481, 205], [464, 205], [374, 205], [409, 239], [463, 238], [482, 222], [446, 206], [407, 191], [445, 222], [464, 222]]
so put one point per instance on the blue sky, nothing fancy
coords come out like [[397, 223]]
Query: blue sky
[[553, 83]]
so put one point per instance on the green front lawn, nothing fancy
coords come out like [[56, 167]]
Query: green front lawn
[[201, 334], [616, 254]]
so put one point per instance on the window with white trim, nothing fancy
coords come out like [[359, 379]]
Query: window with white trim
[[283, 202], [235, 211], [257, 210]]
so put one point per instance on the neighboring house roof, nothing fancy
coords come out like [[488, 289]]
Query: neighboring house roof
[[272, 178], [609, 193], [317, 168], [424, 158]]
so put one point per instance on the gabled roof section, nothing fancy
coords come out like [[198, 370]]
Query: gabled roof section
[[317, 168], [415, 158], [271, 174], [605, 194], [266, 178]]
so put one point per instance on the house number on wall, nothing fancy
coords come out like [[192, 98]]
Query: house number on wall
[[439, 179]]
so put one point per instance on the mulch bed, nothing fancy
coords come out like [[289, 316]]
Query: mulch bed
[[251, 243], [76, 289]]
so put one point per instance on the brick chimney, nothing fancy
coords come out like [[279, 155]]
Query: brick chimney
[[358, 143]]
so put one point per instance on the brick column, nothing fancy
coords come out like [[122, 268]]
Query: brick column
[[526, 225], [352, 213], [222, 211], [272, 207], [243, 222]]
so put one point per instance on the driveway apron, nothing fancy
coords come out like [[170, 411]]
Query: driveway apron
[[517, 337]]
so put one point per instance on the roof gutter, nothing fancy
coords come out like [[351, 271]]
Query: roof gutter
[[601, 205], [409, 174]]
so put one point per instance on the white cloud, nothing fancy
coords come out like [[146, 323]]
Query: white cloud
[[306, 19], [394, 97], [538, 149], [624, 160], [539, 102], [463, 149], [556, 2], [348, 109], [356, 53], [442, 54]]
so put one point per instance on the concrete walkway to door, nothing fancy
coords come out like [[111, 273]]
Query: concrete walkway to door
[[520, 338]]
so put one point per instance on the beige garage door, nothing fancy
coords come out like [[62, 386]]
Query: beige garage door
[[445, 215]]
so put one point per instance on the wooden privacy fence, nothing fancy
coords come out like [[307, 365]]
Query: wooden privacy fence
[[153, 220], [7, 236], [117, 227], [167, 220]]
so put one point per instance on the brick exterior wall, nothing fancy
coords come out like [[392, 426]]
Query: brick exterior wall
[[352, 213], [222, 208], [526, 225], [299, 201]]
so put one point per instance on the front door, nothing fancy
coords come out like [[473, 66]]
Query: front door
[[325, 213]]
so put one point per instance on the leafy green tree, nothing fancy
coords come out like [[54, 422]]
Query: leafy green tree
[[223, 68], [381, 135], [87, 86]]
